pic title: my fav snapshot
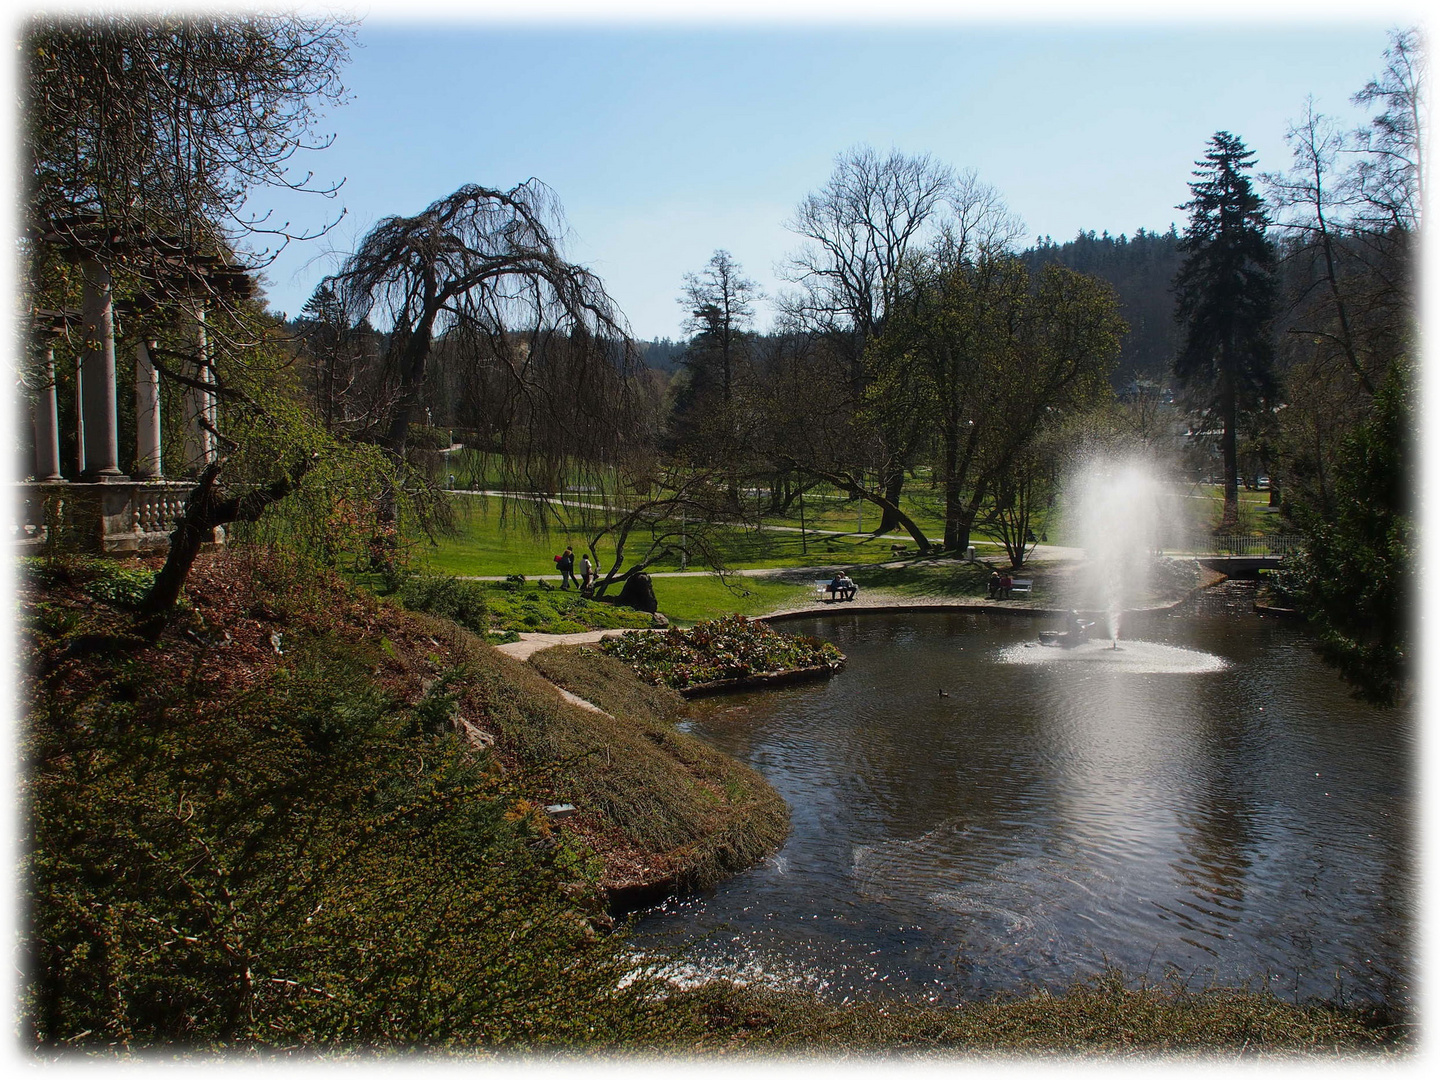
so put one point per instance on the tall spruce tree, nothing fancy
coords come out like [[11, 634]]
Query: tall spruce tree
[[1225, 295]]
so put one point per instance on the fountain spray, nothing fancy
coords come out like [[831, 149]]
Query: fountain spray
[[1117, 506]]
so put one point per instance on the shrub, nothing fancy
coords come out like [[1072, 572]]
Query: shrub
[[462, 602]]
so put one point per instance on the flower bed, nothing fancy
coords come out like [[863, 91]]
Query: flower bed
[[728, 651]]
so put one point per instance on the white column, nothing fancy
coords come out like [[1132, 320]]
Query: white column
[[147, 414], [47, 422], [79, 414], [200, 403], [100, 449]]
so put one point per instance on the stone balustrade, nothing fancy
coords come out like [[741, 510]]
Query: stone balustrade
[[115, 517]]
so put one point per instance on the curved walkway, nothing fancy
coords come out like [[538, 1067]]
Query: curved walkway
[[880, 600], [529, 644]]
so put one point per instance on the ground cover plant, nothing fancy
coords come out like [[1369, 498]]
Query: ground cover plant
[[1109, 1017], [732, 647], [258, 829], [505, 608], [299, 817]]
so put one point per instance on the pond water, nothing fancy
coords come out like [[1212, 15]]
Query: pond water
[[1205, 802]]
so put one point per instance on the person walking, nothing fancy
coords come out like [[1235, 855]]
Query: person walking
[[567, 568], [586, 573]]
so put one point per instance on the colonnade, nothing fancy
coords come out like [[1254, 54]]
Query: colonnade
[[97, 427]]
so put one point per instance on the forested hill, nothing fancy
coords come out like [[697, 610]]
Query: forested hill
[[1140, 268]]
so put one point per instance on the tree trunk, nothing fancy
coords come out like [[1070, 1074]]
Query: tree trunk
[[890, 514], [957, 528], [1231, 514], [205, 509], [850, 487]]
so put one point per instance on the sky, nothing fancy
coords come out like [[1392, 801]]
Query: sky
[[665, 142]]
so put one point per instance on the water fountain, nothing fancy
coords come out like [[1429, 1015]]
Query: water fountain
[[1124, 517]]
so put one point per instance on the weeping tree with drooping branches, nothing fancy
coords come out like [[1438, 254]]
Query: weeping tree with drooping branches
[[478, 281]]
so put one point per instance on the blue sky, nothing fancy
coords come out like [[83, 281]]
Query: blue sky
[[666, 142]]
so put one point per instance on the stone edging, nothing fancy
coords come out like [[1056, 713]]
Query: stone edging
[[763, 678]]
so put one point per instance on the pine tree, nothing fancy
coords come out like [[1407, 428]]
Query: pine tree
[[1225, 296]]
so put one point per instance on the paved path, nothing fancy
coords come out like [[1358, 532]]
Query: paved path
[[877, 600], [1043, 553], [533, 643]]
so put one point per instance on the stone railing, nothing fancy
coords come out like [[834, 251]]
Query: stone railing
[[110, 517]]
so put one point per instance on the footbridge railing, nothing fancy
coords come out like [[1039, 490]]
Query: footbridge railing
[[1276, 545]]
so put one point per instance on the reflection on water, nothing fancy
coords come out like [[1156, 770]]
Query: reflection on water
[[1206, 801]]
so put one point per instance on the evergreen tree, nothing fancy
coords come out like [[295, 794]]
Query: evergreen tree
[[1225, 297], [1356, 576]]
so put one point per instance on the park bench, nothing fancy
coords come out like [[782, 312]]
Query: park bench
[[1020, 585], [822, 590]]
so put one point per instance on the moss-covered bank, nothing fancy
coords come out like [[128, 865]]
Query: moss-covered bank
[[679, 813], [298, 815]]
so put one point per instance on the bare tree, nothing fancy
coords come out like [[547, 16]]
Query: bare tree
[[156, 130], [483, 268], [873, 217], [667, 511], [857, 231], [712, 415], [1391, 174], [1350, 215], [720, 307]]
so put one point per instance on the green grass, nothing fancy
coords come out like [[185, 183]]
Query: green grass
[[492, 541], [489, 544], [1106, 1018], [688, 600], [541, 609]]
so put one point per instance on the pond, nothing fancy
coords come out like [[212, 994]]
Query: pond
[[1206, 802]]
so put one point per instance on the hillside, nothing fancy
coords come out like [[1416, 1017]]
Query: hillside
[[301, 815]]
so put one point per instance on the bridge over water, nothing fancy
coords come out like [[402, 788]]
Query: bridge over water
[[1243, 556]]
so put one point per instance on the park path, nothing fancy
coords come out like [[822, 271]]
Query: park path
[[874, 600], [1042, 553]]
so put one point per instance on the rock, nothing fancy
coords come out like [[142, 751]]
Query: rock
[[638, 593], [658, 621]]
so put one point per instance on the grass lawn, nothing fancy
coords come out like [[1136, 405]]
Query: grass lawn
[[492, 543], [488, 543], [688, 600]]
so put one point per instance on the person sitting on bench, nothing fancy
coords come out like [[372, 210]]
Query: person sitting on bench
[[842, 586]]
